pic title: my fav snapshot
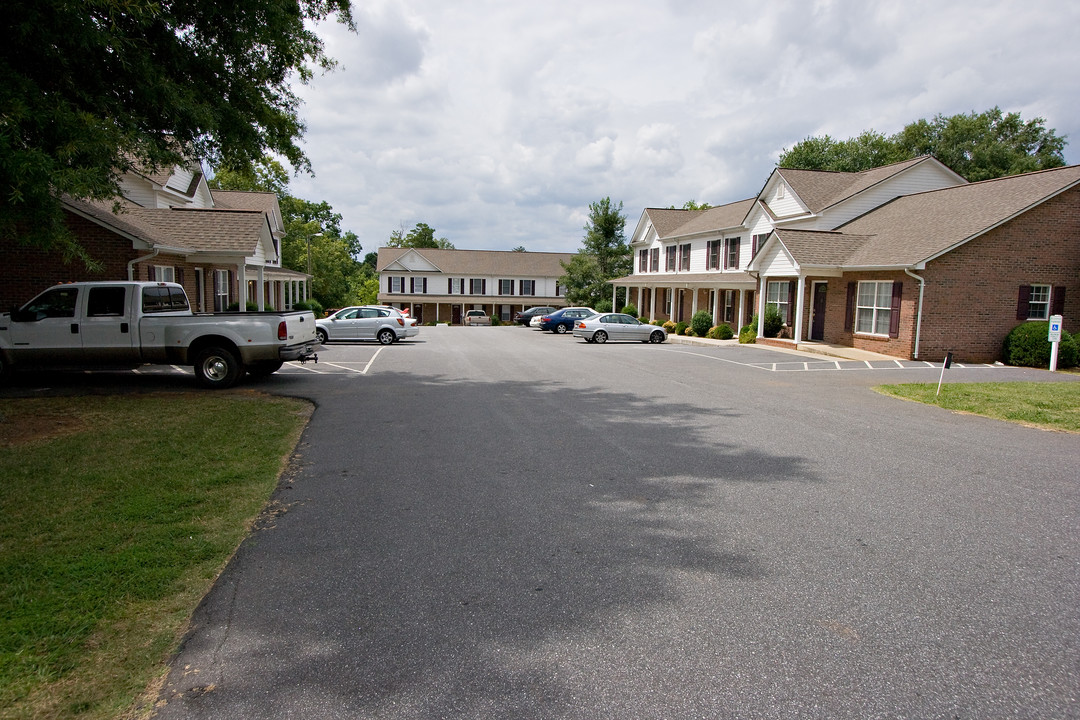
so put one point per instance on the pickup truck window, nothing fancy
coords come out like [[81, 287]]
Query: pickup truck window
[[105, 301], [58, 302], [163, 298]]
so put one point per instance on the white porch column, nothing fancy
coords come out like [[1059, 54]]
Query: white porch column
[[800, 298], [614, 297], [716, 306], [763, 286], [241, 278], [693, 303], [742, 307], [260, 275], [652, 303]]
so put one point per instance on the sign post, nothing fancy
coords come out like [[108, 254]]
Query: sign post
[[1054, 336], [944, 366]]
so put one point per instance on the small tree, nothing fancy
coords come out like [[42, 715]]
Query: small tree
[[701, 322]]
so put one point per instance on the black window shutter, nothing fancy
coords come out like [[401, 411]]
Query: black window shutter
[[1022, 310], [511, 287], [402, 283], [894, 316], [228, 290], [533, 293], [179, 276], [412, 285], [425, 286], [849, 318], [449, 286], [149, 272], [1057, 302], [483, 286], [791, 304]]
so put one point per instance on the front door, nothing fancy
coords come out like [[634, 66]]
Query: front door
[[817, 327], [455, 314]]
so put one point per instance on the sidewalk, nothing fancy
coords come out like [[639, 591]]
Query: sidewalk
[[804, 349]]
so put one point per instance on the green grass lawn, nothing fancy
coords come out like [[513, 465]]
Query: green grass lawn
[[1050, 405], [117, 515]]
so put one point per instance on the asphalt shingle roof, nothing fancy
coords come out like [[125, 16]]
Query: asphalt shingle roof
[[482, 262], [820, 189], [717, 218]]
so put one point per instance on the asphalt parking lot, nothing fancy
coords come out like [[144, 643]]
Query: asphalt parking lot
[[494, 523]]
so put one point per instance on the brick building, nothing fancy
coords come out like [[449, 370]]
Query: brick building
[[223, 247], [907, 260]]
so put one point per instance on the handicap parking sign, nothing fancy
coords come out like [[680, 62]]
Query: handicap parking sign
[[1055, 329]]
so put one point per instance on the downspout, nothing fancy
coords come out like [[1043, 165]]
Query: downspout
[[918, 312], [131, 265]]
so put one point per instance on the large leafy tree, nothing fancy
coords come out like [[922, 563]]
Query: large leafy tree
[[605, 254], [90, 89], [421, 236], [977, 146]]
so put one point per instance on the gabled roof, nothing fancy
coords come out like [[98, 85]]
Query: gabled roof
[[715, 219], [914, 229], [244, 200], [474, 263], [229, 232], [821, 189], [667, 220]]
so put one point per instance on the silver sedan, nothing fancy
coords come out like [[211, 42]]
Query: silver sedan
[[617, 326]]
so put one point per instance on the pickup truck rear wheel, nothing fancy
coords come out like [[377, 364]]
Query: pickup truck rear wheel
[[264, 369], [386, 336], [216, 367]]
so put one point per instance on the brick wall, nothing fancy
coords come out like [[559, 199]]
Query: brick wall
[[971, 292], [29, 270]]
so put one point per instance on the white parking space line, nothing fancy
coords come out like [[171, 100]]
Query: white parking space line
[[823, 364]]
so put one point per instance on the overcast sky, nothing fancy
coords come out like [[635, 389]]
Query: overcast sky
[[498, 122]]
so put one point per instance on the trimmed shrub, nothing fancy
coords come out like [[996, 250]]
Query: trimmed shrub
[[701, 322], [669, 325], [644, 320], [603, 306], [748, 333], [629, 310], [680, 328], [1026, 345], [250, 307], [657, 322], [773, 322], [722, 331], [313, 305]]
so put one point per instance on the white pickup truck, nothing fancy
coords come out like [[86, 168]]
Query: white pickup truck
[[126, 324]]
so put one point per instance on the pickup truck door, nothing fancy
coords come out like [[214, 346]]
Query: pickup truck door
[[107, 332], [46, 329]]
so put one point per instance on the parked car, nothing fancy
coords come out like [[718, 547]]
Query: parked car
[[127, 324], [476, 317], [366, 322], [563, 321], [617, 326], [524, 318]]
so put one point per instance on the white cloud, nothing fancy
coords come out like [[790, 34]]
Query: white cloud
[[498, 123]]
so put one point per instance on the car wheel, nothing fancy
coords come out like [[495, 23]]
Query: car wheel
[[656, 337], [386, 336], [321, 336], [599, 337], [216, 367], [560, 329]]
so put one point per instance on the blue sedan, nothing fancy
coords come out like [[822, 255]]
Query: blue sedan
[[563, 321]]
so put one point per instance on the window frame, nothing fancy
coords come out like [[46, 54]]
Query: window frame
[[669, 258], [781, 305], [684, 256], [1036, 290], [880, 314]]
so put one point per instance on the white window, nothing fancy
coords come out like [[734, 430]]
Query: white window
[[397, 284], [873, 307], [777, 295], [528, 287], [164, 273], [1039, 303], [506, 287], [457, 286]]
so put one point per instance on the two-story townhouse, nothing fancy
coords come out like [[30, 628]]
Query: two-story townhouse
[[437, 285], [691, 260], [953, 269], [224, 247]]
